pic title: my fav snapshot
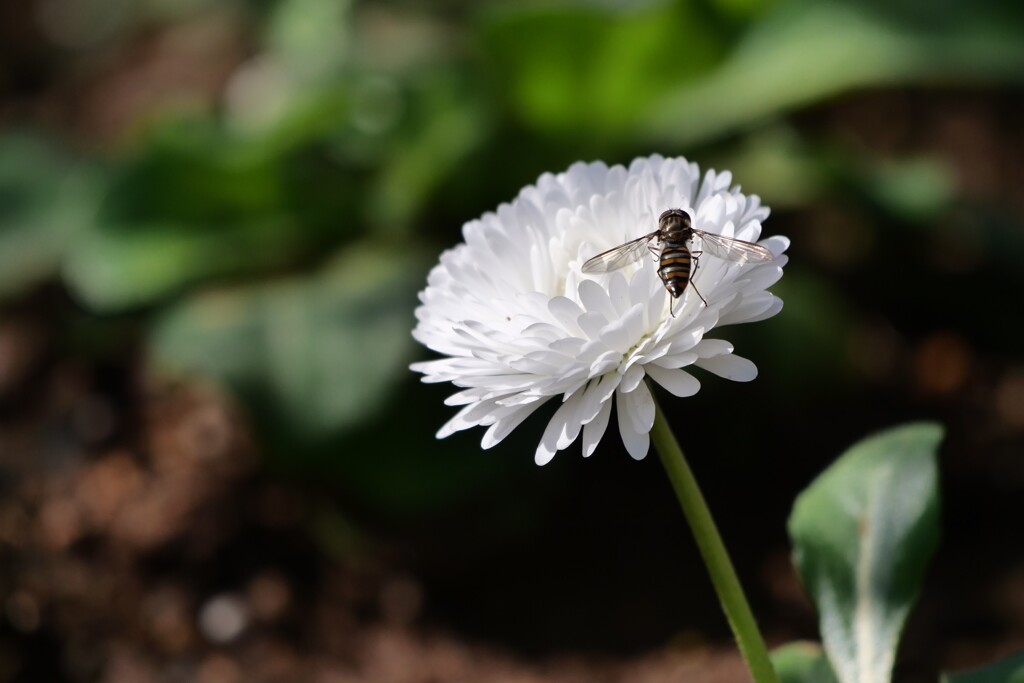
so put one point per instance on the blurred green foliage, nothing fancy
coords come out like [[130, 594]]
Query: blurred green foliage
[[802, 662], [1008, 670], [274, 236], [321, 351], [44, 202]]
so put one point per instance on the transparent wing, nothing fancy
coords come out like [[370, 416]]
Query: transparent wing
[[620, 256], [732, 249]]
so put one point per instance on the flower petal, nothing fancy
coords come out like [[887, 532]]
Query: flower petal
[[708, 348], [637, 442], [777, 244], [595, 299], [676, 382], [594, 430], [469, 416], [639, 406], [618, 292], [631, 379], [772, 310], [674, 361], [497, 432], [750, 308], [566, 312], [729, 366], [597, 394]]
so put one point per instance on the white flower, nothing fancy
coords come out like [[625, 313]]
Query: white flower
[[520, 324]]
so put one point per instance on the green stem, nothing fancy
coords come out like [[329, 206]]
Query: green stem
[[723, 576]]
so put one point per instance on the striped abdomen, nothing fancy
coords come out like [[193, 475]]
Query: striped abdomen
[[674, 267]]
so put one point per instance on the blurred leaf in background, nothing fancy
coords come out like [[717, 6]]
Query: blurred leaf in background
[[1008, 670], [321, 351], [46, 199], [194, 208], [805, 52], [588, 69]]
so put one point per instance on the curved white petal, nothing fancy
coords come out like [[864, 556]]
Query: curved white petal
[[497, 432], [749, 309], [631, 379], [677, 382], [594, 430], [638, 405], [637, 443], [708, 348], [732, 367]]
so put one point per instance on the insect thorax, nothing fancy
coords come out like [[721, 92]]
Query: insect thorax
[[675, 225]]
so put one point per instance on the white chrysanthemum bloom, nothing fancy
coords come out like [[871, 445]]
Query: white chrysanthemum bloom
[[521, 324]]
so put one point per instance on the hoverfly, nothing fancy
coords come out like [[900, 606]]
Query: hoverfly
[[677, 264]]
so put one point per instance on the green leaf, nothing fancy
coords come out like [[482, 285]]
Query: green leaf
[[836, 47], [448, 127], [589, 68], [314, 354], [850, 48], [117, 270], [863, 533], [1009, 670], [802, 662], [310, 36], [198, 205], [45, 198]]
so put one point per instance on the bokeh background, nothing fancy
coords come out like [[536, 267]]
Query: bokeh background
[[215, 216]]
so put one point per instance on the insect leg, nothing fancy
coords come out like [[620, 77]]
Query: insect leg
[[696, 265], [698, 292]]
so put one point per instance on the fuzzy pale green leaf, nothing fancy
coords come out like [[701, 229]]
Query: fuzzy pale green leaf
[[863, 534]]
